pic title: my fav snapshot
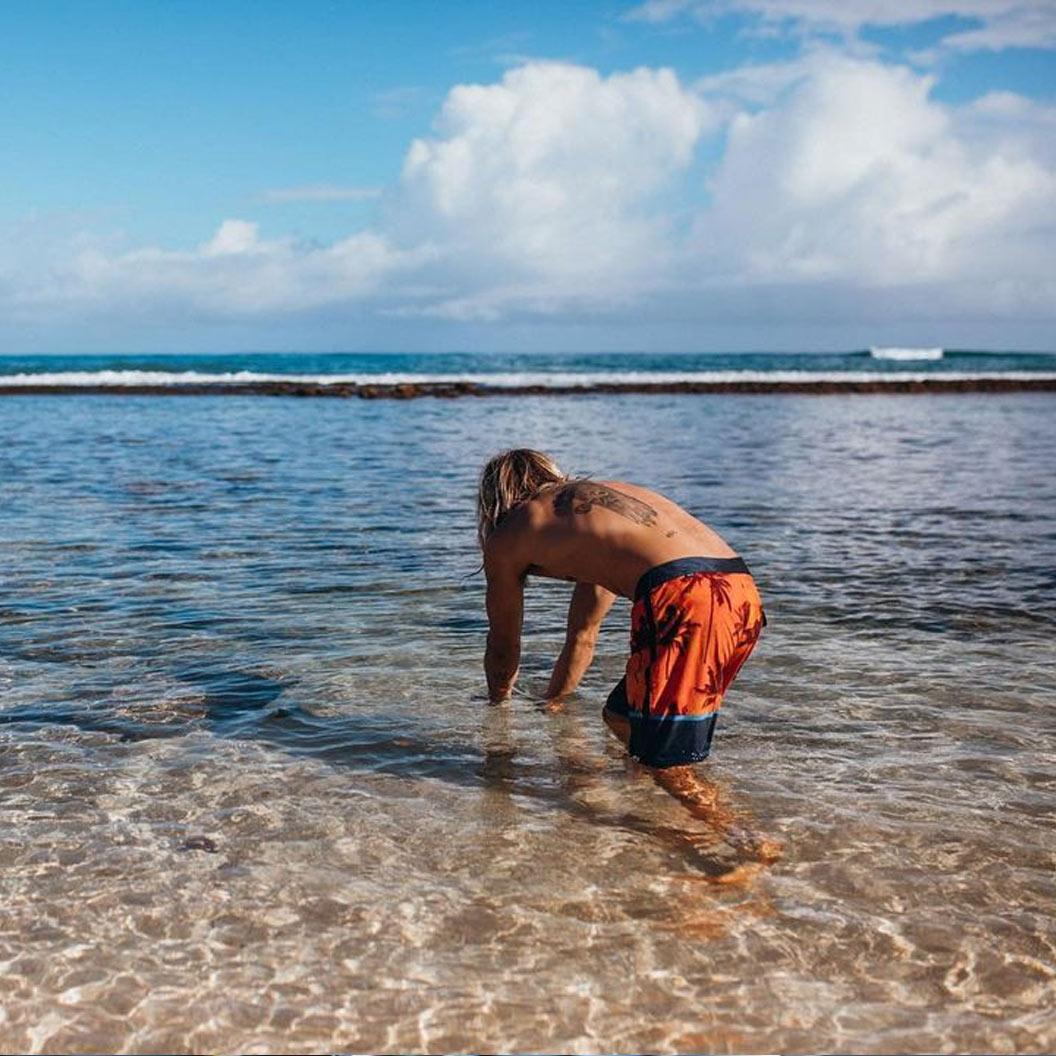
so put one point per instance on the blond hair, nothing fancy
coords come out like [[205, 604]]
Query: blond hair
[[509, 479]]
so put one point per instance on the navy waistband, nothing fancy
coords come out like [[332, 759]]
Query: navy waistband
[[686, 566]]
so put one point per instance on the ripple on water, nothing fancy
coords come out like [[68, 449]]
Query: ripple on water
[[256, 801]]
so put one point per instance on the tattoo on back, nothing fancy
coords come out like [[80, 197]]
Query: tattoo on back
[[582, 497]]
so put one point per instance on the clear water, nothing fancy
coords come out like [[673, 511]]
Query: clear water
[[253, 799]]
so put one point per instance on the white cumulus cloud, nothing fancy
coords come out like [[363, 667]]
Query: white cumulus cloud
[[558, 193], [233, 274], [554, 177], [233, 237], [857, 177]]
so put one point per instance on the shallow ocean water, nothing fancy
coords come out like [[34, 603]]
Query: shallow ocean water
[[254, 800]]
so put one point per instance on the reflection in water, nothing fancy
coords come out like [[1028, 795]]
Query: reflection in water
[[236, 704]]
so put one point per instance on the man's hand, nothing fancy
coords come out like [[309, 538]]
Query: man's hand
[[500, 669]]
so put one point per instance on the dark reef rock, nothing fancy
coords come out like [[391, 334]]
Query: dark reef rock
[[199, 843], [448, 389]]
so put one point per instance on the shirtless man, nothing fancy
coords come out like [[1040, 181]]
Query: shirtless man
[[696, 614]]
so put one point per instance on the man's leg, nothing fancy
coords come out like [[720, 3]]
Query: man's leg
[[616, 711], [618, 725], [701, 797]]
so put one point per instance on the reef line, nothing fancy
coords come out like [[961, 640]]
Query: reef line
[[450, 390]]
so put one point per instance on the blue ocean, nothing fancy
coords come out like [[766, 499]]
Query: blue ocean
[[255, 799], [523, 369]]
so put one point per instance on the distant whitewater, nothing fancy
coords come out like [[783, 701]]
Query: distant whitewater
[[911, 355]]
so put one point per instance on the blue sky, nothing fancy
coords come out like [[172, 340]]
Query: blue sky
[[673, 174]]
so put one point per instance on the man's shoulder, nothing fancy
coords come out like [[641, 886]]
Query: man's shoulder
[[506, 541]]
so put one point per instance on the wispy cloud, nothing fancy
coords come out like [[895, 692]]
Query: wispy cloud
[[497, 49], [393, 103], [994, 24], [318, 193]]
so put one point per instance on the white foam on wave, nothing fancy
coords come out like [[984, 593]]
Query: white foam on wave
[[118, 379], [906, 354], [125, 378]]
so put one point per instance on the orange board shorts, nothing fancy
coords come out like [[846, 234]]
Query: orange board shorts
[[694, 623]]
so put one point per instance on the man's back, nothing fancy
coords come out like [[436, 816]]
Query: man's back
[[604, 532]]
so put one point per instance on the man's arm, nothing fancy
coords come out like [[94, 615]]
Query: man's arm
[[589, 605], [505, 603]]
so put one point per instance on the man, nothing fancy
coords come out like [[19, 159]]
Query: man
[[695, 619]]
